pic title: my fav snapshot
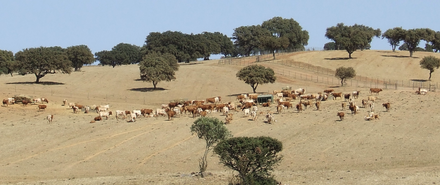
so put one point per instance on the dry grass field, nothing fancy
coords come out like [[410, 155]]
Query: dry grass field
[[402, 147]]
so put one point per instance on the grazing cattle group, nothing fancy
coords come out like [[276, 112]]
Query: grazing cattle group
[[245, 103]]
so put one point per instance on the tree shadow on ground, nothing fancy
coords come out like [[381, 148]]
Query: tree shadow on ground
[[339, 58], [399, 56], [40, 83], [419, 80], [336, 86], [147, 89]]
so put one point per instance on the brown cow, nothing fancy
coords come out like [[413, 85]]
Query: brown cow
[[267, 104], [170, 113], [203, 113], [79, 106], [306, 103], [247, 105], [214, 99], [173, 104], [286, 104], [25, 102], [144, 112], [97, 118], [387, 106], [347, 97], [329, 91], [335, 95], [318, 104], [375, 90], [341, 115], [299, 107], [41, 107]]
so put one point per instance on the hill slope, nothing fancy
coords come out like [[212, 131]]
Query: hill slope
[[399, 148]]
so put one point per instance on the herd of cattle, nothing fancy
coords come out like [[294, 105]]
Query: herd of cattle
[[247, 104]]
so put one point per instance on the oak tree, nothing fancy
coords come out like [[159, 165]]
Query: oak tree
[[429, 63], [7, 62], [412, 38], [352, 37], [157, 67], [79, 55], [43, 60], [394, 36], [344, 73], [255, 75]]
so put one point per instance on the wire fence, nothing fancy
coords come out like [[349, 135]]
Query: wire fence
[[308, 72]]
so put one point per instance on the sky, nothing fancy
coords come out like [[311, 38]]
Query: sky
[[102, 24]]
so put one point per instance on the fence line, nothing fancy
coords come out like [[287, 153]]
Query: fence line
[[327, 76]]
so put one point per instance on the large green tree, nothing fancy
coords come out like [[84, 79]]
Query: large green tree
[[43, 60], [430, 63], [288, 33], [105, 58], [435, 42], [79, 55], [255, 75], [247, 38], [412, 38], [212, 130], [157, 67], [394, 36], [126, 54], [344, 73], [252, 157], [7, 62], [352, 37]]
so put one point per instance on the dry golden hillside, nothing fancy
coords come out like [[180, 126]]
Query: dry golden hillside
[[398, 148]]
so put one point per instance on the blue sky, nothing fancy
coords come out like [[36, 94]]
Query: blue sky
[[102, 24]]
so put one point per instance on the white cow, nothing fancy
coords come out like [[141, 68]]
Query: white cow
[[106, 114], [120, 113], [49, 118]]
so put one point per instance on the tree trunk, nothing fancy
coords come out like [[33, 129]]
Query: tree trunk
[[430, 72], [154, 84], [273, 54], [342, 82], [254, 87], [38, 76], [349, 55], [411, 53]]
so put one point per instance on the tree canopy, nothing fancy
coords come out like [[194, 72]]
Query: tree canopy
[[212, 130], [43, 60], [344, 73], [157, 67], [247, 38], [352, 37], [412, 38], [429, 63], [394, 36], [79, 56], [7, 62], [288, 29], [188, 47], [121, 54], [255, 75], [252, 157]]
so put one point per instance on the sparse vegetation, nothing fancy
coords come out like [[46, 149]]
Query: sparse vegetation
[[212, 130], [344, 73], [429, 63], [252, 157]]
